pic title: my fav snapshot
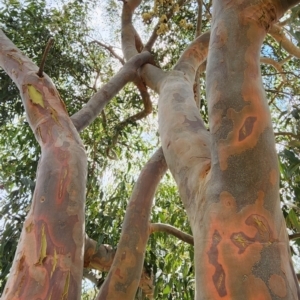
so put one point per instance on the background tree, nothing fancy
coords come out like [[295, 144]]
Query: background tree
[[79, 64]]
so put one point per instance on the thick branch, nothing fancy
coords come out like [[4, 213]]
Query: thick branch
[[185, 139], [129, 34], [101, 258], [193, 56], [59, 196], [128, 262], [158, 227], [93, 108]]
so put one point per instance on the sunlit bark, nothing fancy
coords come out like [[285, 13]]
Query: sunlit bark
[[49, 257]]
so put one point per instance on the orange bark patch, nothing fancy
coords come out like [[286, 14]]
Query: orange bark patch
[[277, 285], [247, 128], [273, 177], [220, 37], [21, 263], [118, 273]]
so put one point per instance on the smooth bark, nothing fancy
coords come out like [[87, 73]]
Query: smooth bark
[[241, 222], [49, 257], [124, 275], [95, 105]]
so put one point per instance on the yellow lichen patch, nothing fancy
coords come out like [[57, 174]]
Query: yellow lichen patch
[[35, 95], [277, 285], [260, 224], [21, 263], [29, 227], [238, 238], [64, 295], [43, 248], [54, 262]]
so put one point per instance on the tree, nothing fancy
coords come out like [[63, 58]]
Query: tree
[[227, 176]]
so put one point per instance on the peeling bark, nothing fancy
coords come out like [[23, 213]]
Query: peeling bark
[[49, 257]]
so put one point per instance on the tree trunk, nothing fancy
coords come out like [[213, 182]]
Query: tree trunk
[[241, 244], [48, 263]]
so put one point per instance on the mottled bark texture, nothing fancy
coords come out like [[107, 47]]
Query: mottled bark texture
[[95, 105], [241, 244], [125, 273], [49, 257]]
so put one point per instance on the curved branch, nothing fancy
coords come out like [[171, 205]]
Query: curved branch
[[193, 56], [158, 227], [93, 108], [130, 38], [126, 271], [277, 33]]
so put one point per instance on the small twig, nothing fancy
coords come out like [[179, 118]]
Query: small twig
[[111, 51], [42, 65]]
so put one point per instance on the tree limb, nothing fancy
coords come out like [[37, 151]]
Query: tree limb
[[196, 87], [93, 108], [158, 227], [126, 271], [277, 33]]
